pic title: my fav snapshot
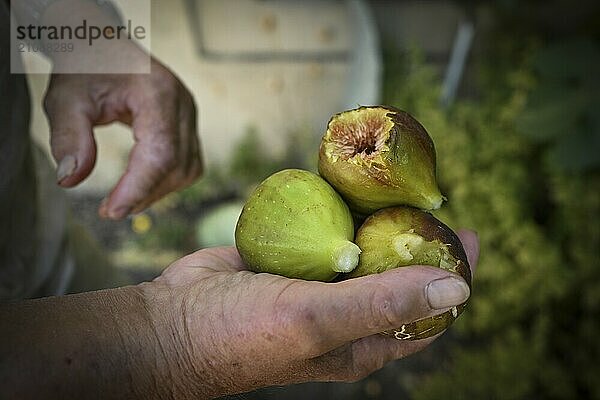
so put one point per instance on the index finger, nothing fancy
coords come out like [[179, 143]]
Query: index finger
[[151, 160]]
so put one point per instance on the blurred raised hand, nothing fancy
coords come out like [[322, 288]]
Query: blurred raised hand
[[162, 115]]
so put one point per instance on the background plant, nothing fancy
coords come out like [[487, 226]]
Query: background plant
[[529, 186]]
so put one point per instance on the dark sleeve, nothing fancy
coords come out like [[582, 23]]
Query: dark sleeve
[[18, 208]]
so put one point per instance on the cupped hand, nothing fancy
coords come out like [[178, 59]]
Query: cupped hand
[[236, 331], [161, 111]]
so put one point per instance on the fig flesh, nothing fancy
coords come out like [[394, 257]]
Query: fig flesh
[[401, 236], [294, 224], [378, 157]]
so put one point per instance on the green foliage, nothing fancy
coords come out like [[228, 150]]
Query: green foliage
[[166, 233], [250, 163], [562, 109], [530, 327]]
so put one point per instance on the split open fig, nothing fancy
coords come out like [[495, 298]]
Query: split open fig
[[400, 236], [378, 157]]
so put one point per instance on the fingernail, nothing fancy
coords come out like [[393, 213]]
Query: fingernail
[[120, 212], [66, 167], [447, 292]]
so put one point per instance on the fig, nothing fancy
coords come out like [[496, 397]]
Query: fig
[[296, 225], [378, 157], [400, 236]]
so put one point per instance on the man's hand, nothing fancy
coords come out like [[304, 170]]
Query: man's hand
[[233, 331], [207, 327], [161, 111]]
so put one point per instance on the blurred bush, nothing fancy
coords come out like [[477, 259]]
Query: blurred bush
[[562, 111], [533, 321]]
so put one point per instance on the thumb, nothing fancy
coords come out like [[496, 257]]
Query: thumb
[[71, 139], [364, 306]]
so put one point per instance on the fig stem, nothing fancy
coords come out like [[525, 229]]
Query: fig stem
[[436, 201], [345, 257]]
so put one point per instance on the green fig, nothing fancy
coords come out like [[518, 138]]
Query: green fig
[[378, 157], [294, 224], [400, 236]]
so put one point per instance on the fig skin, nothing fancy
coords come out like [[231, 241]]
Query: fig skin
[[377, 157], [401, 236], [296, 225]]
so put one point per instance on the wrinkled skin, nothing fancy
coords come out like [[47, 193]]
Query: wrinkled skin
[[159, 109], [207, 328], [237, 331]]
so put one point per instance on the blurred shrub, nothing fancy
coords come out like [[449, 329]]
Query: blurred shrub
[[532, 325], [562, 110], [166, 233]]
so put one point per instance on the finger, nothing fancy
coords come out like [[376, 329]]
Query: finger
[[187, 269], [374, 352], [71, 135], [360, 358], [189, 166], [215, 257], [151, 160], [166, 156], [166, 186], [356, 308], [471, 245], [188, 132]]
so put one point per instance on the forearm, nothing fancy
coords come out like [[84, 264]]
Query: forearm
[[98, 344]]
